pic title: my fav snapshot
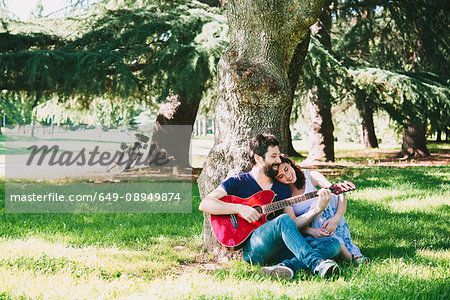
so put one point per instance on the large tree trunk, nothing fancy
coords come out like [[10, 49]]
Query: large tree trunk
[[177, 110], [321, 129], [370, 139], [319, 110], [254, 87], [414, 141]]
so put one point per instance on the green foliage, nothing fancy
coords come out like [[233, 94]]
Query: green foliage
[[393, 35], [407, 41], [386, 55], [322, 70], [101, 111], [404, 96], [10, 43], [16, 107], [131, 54], [418, 97]]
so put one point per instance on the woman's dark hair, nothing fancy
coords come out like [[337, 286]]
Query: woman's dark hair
[[300, 183]]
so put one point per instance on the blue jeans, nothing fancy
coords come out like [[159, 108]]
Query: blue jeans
[[280, 241]]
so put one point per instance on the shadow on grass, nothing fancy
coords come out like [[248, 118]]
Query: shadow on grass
[[137, 231], [381, 233]]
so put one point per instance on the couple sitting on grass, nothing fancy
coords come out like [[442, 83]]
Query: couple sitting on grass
[[308, 235]]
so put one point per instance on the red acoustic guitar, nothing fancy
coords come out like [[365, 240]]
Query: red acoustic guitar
[[232, 230]]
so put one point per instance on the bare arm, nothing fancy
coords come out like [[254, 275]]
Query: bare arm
[[306, 218], [289, 210], [213, 205], [318, 179], [331, 224], [342, 207], [318, 207], [303, 219]]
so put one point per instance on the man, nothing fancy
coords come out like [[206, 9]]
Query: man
[[278, 241]]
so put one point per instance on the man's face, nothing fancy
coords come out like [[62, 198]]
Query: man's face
[[271, 160]]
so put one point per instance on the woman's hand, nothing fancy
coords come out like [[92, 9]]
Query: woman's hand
[[330, 225], [316, 232], [324, 198]]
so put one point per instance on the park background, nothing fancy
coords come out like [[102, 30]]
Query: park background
[[91, 71]]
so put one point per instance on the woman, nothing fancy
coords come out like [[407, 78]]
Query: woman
[[330, 222]]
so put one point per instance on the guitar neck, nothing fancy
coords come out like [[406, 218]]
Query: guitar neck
[[278, 205]]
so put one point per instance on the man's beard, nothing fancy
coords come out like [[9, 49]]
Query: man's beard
[[271, 170]]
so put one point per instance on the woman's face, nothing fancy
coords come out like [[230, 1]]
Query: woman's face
[[286, 174]]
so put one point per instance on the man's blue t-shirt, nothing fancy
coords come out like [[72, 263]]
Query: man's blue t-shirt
[[244, 185]]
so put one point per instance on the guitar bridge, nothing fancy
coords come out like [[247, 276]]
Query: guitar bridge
[[234, 221]]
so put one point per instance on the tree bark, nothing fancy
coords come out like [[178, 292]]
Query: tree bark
[[365, 109], [414, 141], [370, 139], [319, 109], [177, 110], [439, 136], [321, 129], [294, 73], [254, 88], [214, 3]]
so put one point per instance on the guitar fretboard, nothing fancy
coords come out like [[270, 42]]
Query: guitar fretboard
[[278, 205]]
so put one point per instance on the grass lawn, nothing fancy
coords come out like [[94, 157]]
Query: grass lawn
[[398, 216]]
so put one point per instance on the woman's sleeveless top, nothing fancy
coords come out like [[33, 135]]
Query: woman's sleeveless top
[[302, 207]]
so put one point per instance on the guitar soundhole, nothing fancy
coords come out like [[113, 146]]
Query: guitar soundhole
[[271, 216], [258, 209]]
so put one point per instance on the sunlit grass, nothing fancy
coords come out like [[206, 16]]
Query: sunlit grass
[[398, 217], [42, 256], [387, 278]]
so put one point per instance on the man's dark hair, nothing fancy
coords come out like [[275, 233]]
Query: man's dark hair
[[259, 145]]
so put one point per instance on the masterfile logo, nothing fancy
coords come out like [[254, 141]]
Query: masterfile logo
[[85, 157]]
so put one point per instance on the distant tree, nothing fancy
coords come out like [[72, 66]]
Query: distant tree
[[380, 35], [408, 97], [399, 36], [214, 3], [366, 108], [165, 50], [319, 98]]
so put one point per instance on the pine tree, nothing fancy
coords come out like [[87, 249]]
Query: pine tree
[[128, 55], [400, 36]]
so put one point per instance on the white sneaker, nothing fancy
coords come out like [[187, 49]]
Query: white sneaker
[[327, 268], [278, 271]]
